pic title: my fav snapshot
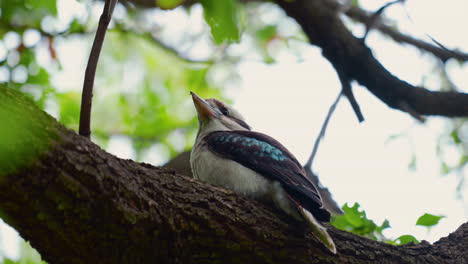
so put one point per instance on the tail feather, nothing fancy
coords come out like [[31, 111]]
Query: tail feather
[[318, 230]]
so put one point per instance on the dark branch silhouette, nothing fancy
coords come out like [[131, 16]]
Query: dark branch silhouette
[[321, 134], [321, 23], [348, 92], [442, 53], [375, 17]]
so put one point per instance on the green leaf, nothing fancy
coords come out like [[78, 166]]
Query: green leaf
[[267, 33], [355, 221], [48, 5], [385, 225], [69, 108], [222, 17], [168, 4], [445, 169], [405, 239], [455, 137], [463, 160], [76, 26], [429, 220], [25, 133]]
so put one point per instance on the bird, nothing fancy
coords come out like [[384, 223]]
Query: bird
[[228, 154]]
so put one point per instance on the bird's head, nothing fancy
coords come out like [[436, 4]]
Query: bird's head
[[214, 115]]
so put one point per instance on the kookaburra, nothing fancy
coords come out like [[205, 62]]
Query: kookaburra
[[228, 154]]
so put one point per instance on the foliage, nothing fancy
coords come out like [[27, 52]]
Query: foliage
[[404, 239], [355, 221], [14, 154], [428, 220], [168, 4], [454, 140], [147, 107], [28, 255], [222, 16]]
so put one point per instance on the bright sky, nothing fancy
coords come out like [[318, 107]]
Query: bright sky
[[289, 99]]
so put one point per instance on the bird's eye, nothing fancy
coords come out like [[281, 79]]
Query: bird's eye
[[224, 110]]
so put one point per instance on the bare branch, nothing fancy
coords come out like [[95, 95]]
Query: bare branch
[[309, 162], [442, 53], [348, 92], [169, 49], [374, 18], [323, 26], [364, 17], [86, 98], [407, 108]]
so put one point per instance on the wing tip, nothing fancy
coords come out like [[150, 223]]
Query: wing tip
[[319, 231]]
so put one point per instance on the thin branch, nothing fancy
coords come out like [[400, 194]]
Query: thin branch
[[407, 108], [364, 17], [442, 53], [350, 55], [86, 98], [328, 202], [309, 162], [374, 18], [348, 92], [445, 78], [169, 49]]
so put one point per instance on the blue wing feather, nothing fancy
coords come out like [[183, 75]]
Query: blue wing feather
[[269, 158]]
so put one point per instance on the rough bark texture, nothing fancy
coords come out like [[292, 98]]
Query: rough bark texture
[[76, 203]]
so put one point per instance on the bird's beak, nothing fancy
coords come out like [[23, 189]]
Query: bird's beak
[[205, 111]]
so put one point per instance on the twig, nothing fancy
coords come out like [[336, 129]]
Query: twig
[[439, 44], [451, 86], [86, 98], [442, 53], [168, 49], [348, 92], [328, 202], [374, 18], [407, 108], [309, 162]]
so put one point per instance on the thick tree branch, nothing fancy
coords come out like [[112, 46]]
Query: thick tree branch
[[321, 23], [88, 84], [76, 203], [364, 17]]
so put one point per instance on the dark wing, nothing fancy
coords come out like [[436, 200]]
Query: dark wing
[[268, 157]]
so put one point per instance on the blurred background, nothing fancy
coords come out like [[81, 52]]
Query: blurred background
[[398, 180]]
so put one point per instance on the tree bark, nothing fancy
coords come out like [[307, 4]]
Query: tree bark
[[76, 203]]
